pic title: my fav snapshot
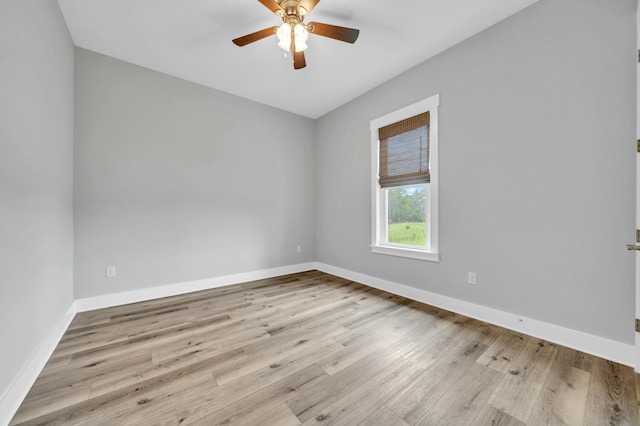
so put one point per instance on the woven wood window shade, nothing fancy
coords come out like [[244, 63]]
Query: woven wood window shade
[[404, 152]]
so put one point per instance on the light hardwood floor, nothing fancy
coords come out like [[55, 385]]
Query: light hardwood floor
[[312, 348]]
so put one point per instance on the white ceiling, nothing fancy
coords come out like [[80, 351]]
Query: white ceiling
[[191, 39]]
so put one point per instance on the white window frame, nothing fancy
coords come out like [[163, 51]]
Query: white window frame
[[379, 242]]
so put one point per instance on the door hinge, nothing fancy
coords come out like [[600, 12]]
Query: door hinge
[[638, 55], [638, 325], [638, 146]]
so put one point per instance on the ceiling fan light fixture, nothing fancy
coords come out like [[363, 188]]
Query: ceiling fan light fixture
[[284, 37], [301, 37]]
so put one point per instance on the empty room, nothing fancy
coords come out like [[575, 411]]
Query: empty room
[[335, 212]]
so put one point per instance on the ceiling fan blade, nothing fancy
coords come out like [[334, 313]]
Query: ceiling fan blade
[[298, 57], [273, 6], [258, 35], [298, 60], [307, 5], [349, 35]]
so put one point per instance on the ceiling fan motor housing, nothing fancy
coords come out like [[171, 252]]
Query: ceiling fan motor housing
[[292, 8]]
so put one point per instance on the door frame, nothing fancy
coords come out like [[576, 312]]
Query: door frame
[[637, 253]]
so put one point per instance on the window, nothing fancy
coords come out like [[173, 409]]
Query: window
[[404, 157]]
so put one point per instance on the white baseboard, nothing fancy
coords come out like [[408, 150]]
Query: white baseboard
[[17, 391], [117, 299], [604, 348]]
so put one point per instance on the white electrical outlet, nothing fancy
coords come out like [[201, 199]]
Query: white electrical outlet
[[471, 278], [299, 249], [110, 271]]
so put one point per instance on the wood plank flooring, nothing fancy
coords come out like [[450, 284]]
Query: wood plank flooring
[[315, 349]]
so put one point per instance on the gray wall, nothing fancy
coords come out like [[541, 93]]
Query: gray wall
[[537, 163], [177, 182], [36, 153]]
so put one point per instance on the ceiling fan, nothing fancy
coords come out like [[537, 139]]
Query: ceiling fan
[[293, 33]]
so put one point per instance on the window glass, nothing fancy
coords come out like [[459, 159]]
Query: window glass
[[406, 215]]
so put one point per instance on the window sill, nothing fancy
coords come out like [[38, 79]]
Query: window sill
[[406, 252]]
